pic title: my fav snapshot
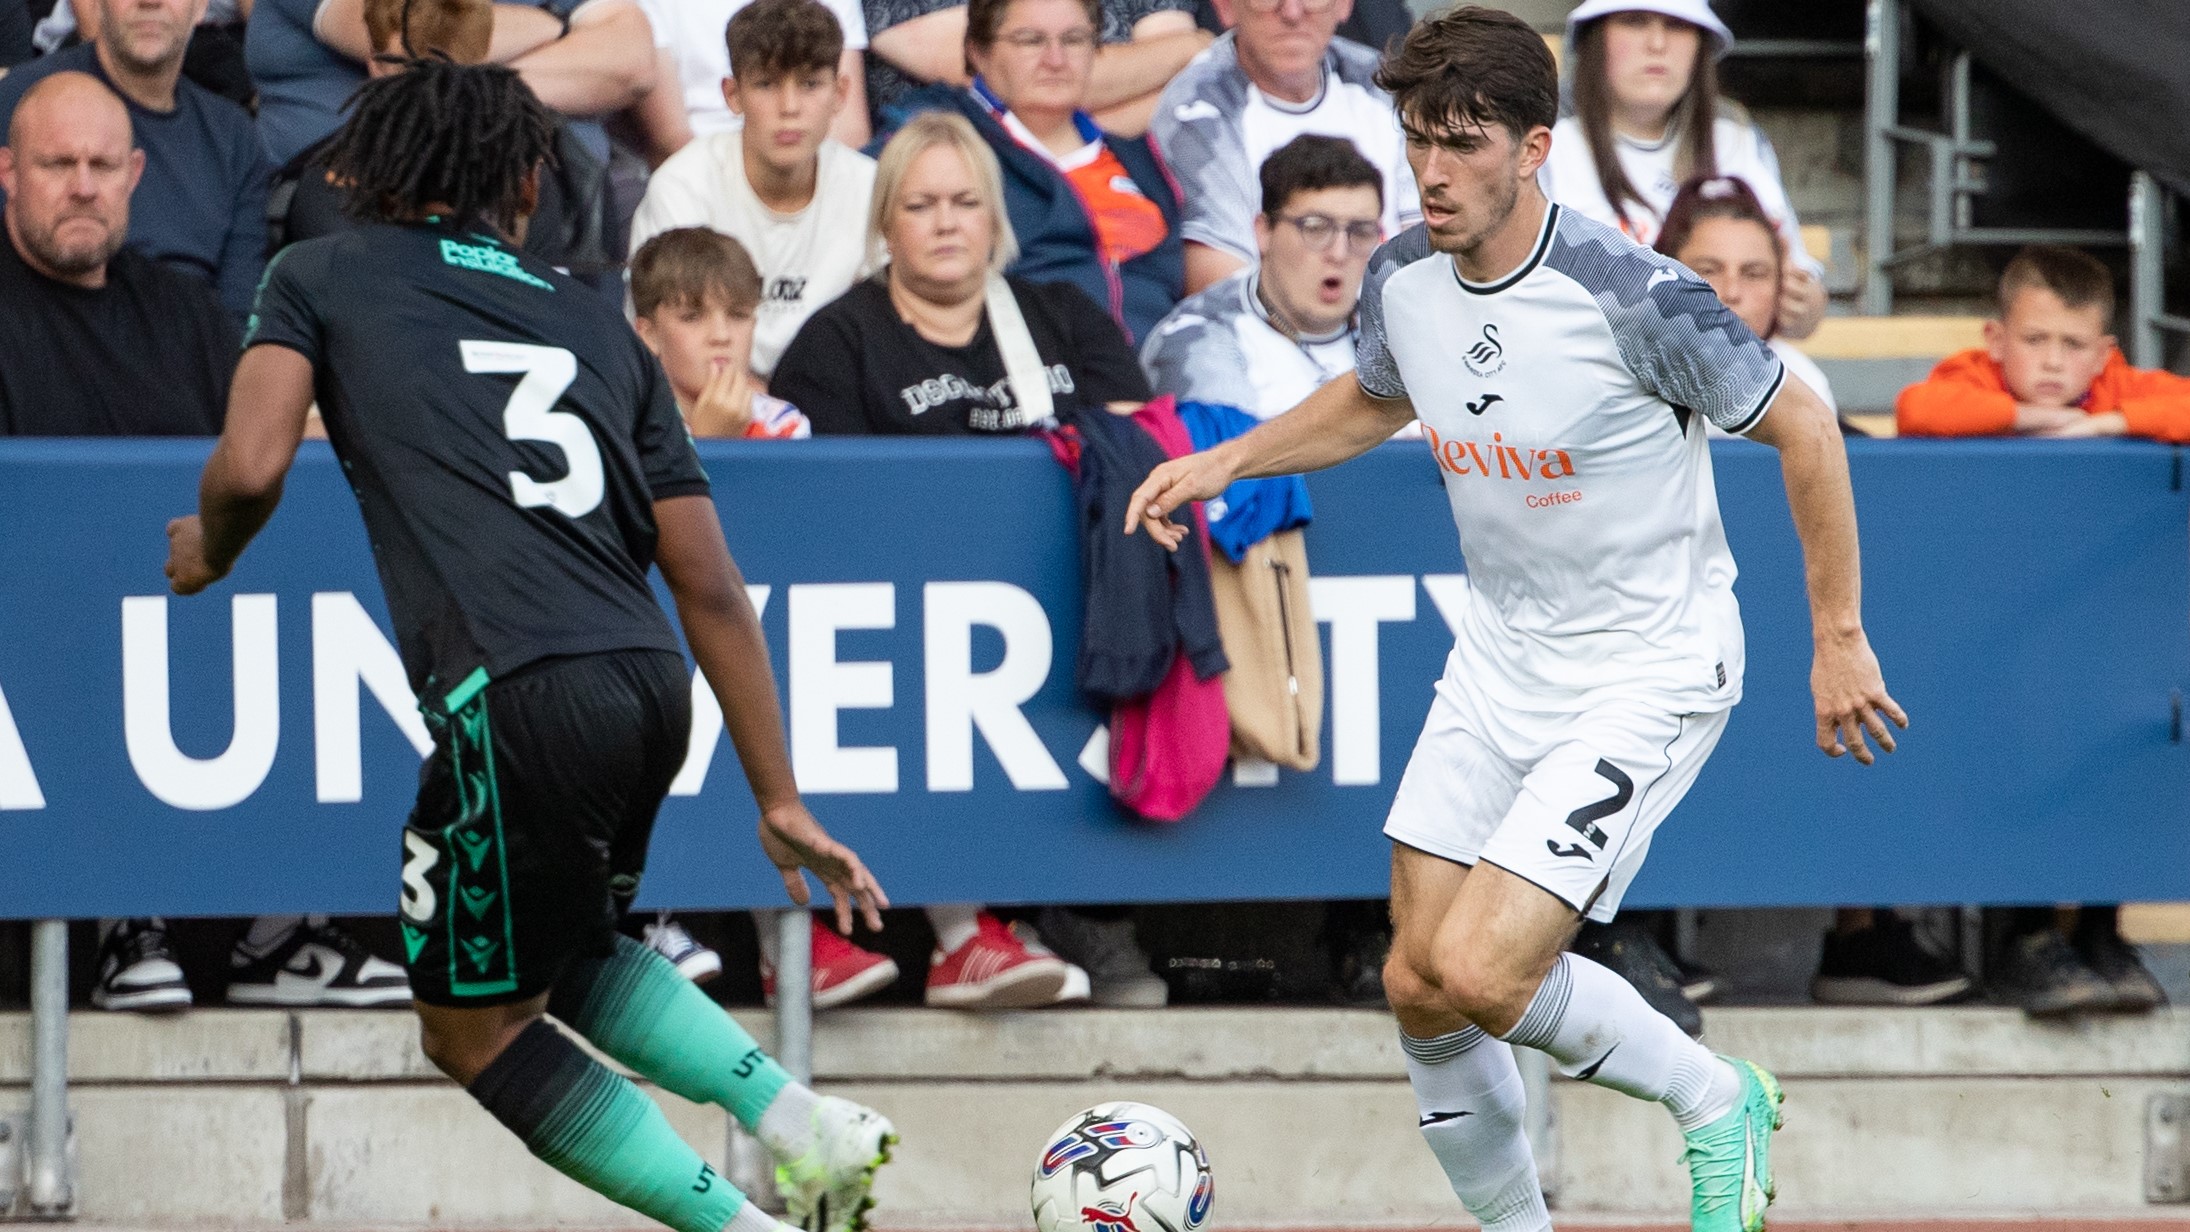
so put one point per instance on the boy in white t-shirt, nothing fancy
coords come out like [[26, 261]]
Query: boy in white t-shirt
[[794, 197]]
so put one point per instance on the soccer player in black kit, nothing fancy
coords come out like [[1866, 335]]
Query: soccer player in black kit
[[520, 464]]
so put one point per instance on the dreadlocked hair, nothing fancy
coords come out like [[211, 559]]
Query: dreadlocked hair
[[460, 138]]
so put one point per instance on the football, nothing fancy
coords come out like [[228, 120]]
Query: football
[[1122, 1167]]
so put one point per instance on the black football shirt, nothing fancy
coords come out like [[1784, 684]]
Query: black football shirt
[[506, 435]]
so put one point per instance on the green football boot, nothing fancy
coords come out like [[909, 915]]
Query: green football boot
[[1730, 1160]]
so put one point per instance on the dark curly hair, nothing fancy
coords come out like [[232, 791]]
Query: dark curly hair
[[442, 136]]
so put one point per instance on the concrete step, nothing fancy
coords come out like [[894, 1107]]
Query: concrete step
[[333, 1119]]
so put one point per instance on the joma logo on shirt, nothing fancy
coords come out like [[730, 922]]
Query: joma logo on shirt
[[786, 290], [1496, 460]]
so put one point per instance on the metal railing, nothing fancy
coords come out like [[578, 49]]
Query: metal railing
[[1956, 167]]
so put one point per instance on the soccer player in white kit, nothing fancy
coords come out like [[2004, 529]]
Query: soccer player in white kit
[[1563, 376]]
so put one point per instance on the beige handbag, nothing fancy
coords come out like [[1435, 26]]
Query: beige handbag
[[1274, 691]]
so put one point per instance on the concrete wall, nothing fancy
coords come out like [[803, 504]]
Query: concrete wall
[[250, 1118]]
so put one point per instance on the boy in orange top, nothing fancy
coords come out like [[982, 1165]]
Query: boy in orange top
[[2048, 367]]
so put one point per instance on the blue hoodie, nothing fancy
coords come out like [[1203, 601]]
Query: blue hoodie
[[1057, 240]]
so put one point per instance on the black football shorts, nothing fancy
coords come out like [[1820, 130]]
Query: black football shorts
[[533, 815]]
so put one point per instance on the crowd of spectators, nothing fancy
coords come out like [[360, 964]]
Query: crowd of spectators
[[838, 218]]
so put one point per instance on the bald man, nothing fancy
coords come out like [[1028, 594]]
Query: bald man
[[100, 340], [201, 205]]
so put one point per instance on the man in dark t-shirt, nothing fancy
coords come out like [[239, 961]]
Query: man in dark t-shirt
[[99, 340], [201, 206], [521, 464]]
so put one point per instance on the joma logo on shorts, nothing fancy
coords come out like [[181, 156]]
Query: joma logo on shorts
[[1496, 459]]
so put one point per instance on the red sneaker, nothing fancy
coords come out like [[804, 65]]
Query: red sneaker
[[995, 971], [843, 973]]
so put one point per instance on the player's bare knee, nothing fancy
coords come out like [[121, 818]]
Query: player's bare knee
[[1407, 988], [1484, 992]]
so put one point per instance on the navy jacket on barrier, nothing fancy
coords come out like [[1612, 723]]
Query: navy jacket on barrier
[[1145, 604], [1056, 237]]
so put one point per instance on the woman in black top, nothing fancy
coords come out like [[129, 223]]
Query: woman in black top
[[910, 351]]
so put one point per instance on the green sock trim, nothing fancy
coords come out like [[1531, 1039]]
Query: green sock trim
[[600, 1130], [635, 1007]]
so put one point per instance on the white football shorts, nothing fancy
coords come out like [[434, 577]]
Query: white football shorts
[[1567, 800]]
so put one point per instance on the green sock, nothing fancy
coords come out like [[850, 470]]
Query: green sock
[[596, 1128], [636, 1008]]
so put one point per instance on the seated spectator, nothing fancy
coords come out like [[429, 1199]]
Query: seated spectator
[[914, 351], [695, 293], [101, 340], [2049, 366], [586, 59], [1270, 335], [1647, 118], [1090, 208], [911, 351], [201, 205], [571, 227], [15, 28], [692, 32], [1280, 72], [1719, 229], [781, 185], [1142, 45]]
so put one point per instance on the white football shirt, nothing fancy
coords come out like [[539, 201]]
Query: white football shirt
[[805, 259], [1219, 346], [1215, 128], [1565, 406]]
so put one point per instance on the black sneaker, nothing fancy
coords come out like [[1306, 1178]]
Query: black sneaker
[[316, 964], [2042, 973], [1884, 964], [1638, 958], [137, 970], [2117, 962], [1697, 982]]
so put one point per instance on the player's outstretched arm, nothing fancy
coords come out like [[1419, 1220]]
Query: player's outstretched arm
[[1336, 422], [725, 637], [267, 404], [1845, 683]]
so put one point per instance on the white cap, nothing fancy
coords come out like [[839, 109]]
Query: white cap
[[1695, 12]]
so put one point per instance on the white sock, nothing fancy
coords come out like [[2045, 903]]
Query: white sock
[[953, 924], [750, 1218], [1599, 1029], [787, 1125], [267, 932], [1469, 1093]]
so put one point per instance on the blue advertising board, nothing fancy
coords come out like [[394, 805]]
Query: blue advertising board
[[253, 749]]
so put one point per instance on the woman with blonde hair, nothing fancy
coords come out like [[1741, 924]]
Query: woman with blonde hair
[[1647, 117], [916, 348], [940, 342]]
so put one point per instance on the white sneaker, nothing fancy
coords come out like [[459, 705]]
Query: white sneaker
[[669, 939], [316, 964], [831, 1187], [1078, 987], [137, 970]]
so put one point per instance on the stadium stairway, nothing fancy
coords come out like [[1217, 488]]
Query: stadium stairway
[[332, 1119]]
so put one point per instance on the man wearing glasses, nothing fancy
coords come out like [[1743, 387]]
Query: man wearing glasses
[[1265, 338], [1280, 72]]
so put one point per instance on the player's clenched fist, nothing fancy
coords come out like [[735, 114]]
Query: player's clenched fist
[[187, 570], [1195, 477]]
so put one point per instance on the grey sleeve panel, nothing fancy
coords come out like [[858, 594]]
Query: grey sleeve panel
[[1675, 336], [1196, 356], [1373, 363]]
